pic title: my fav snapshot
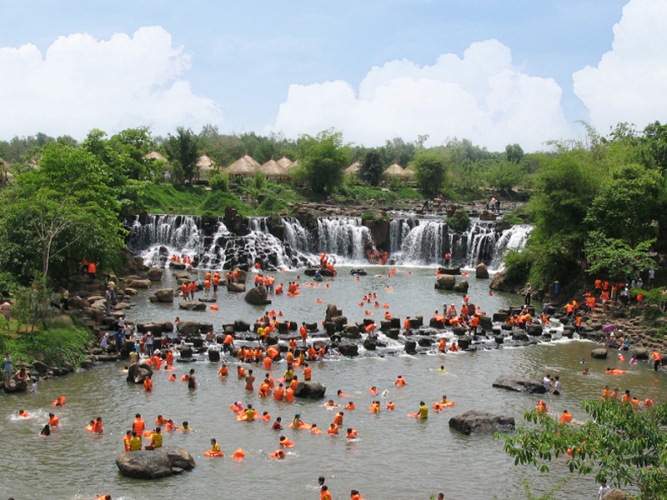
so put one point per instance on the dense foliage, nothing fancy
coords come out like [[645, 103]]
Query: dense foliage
[[598, 205], [625, 445]]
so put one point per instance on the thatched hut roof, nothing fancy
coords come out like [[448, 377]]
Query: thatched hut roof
[[352, 169], [154, 155], [273, 169], [395, 170], [246, 166], [286, 162]]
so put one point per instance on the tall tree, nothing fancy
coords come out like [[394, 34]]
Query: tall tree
[[323, 159], [371, 168], [431, 170], [183, 149]]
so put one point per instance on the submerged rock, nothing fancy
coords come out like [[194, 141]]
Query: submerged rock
[[479, 422], [309, 390], [154, 464], [600, 353], [520, 385]]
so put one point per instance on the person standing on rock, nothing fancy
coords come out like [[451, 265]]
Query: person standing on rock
[[8, 370], [149, 344], [528, 294]]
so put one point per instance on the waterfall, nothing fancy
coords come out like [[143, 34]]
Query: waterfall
[[345, 238], [163, 235], [411, 241], [514, 238]]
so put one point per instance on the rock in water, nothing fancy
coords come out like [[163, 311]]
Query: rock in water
[[479, 422], [520, 385], [257, 296], [164, 295], [137, 372], [154, 464], [481, 271], [600, 353], [309, 390]]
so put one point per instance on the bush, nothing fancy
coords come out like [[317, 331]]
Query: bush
[[517, 266], [459, 221], [55, 346], [271, 205], [219, 182]]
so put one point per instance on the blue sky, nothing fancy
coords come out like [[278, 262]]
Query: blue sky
[[493, 71]]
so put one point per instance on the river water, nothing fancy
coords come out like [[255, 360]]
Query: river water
[[395, 458]]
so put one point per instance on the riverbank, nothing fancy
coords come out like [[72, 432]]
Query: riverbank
[[57, 348]]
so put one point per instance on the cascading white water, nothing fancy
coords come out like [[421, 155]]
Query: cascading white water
[[345, 238], [163, 235], [514, 238], [297, 236], [412, 242]]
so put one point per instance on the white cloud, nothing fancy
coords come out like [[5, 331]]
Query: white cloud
[[481, 96], [629, 83], [81, 83]]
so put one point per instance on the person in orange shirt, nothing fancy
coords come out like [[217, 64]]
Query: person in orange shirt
[[355, 495], [53, 420], [97, 426], [307, 372], [148, 384], [324, 493], [565, 418], [338, 419], [400, 381], [126, 440], [352, 433], [138, 425]]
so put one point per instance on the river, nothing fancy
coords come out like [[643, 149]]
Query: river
[[395, 458]]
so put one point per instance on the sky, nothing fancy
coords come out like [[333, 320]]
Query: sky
[[495, 72]]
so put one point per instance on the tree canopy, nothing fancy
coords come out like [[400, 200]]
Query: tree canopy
[[323, 159], [625, 445]]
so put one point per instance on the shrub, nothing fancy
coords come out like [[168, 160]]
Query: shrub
[[459, 221], [219, 182]]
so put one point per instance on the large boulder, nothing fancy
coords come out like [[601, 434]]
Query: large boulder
[[479, 422], [445, 282], [465, 342], [192, 306], [481, 271], [351, 332], [257, 296], [236, 287], [16, 387], [164, 295], [520, 385], [462, 286], [187, 328], [309, 390], [154, 274], [137, 372], [641, 353], [534, 330], [348, 349], [410, 347], [140, 283], [332, 312], [154, 464], [599, 353]]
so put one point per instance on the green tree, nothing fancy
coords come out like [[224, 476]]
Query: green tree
[[183, 150], [371, 168], [628, 205], [54, 216], [624, 445], [615, 258], [504, 175], [323, 159], [431, 170], [514, 153]]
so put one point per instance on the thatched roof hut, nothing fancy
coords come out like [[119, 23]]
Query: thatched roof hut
[[205, 166], [273, 170], [246, 166], [154, 155], [395, 170], [352, 169], [286, 163]]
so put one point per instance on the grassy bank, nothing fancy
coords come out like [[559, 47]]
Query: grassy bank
[[61, 344]]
